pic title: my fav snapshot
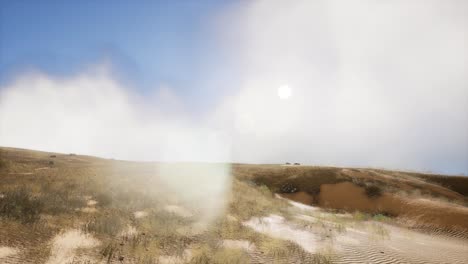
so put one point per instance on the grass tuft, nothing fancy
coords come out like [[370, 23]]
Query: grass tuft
[[105, 224], [206, 255], [20, 205]]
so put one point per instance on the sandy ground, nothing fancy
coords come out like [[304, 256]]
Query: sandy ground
[[300, 205], [129, 232], [140, 214], [90, 206], [7, 251], [312, 228], [42, 168], [178, 210], [356, 242], [187, 255], [422, 212], [276, 226], [362, 242], [240, 244], [65, 245], [397, 245]]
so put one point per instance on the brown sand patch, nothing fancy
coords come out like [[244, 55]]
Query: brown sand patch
[[350, 197], [421, 212]]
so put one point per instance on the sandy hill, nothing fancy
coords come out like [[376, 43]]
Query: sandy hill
[[70, 208], [421, 200]]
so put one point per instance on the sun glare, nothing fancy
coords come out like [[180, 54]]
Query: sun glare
[[284, 92]]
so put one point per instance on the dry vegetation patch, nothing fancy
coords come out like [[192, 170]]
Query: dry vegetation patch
[[136, 219]]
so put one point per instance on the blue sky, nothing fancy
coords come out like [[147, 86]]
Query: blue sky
[[149, 43]]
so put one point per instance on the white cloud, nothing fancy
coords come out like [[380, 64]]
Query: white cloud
[[93, 114], [373, 84]]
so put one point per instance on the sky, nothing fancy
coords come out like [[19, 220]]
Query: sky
[[148, 43], [343, 83]]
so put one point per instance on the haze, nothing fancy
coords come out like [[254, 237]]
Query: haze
[[372, 84]]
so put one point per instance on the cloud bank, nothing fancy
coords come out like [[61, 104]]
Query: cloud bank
[[375, 83], [92, 113], [381, 84]]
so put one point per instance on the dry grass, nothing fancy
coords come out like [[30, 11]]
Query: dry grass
[[20, 205], [49, 198], [360, 216], [306, 179], [206, 254], [249, 200], [456, 183], [105, 224], [379, 231]]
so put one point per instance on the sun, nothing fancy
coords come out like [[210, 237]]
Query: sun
[[284, 92]]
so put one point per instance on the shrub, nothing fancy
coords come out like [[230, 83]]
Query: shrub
[[3, 163], [382, 217], [359, 216], [265, 190], [20, 205], [103, 199], [288, 188], [373, 191], [380, 231], [109, 252], [293, 179], [203, 256], [61, 201]]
